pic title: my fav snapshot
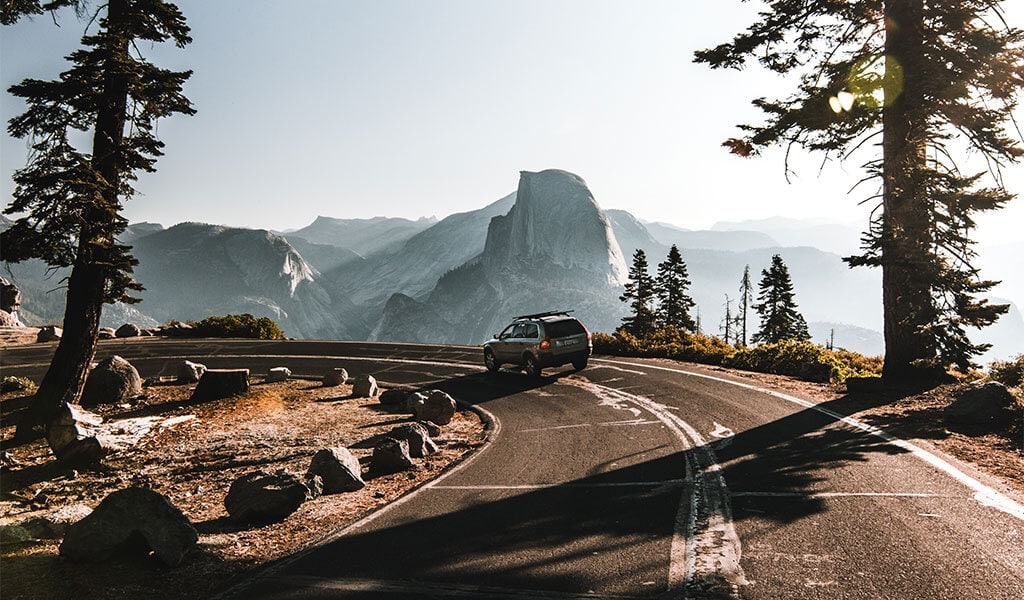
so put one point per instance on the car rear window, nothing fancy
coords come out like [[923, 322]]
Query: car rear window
[[565, 328]]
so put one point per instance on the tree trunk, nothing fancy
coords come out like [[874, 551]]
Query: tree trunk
[[65, 379], [906, 231]]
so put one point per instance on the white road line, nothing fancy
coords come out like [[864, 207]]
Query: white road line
[[547, 486], [705, 550], [983, 494], [609, 424], [592, 367]]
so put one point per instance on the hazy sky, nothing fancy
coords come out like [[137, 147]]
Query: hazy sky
[[414, 108]]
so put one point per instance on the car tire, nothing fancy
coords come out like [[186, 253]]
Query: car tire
[[579, 364], [490, 361], [530, 366]]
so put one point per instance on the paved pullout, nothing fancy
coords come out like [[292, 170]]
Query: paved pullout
[[631, 479]]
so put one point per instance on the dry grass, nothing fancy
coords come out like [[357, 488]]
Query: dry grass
[[193, 460]]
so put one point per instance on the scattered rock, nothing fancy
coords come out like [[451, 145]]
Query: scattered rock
[[414, 402], [364, 386], [314, 487], [106, 333], [278, 374], [988, 403], [9, 320], [394, 397], [134, 518], [417, 437], [50, 333], [221, 383], [390, 456], [438, 407], [432, 428], [113, 381], [128, 330], [335, 376], [70, 438], [338, 469], [262, 497], [190, 372]]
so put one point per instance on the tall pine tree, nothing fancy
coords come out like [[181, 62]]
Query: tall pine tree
[[671, 286], [639, 292], [746, 295], [776, 304], [932, 79], [67, 200]]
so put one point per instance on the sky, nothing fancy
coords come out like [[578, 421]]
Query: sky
[[412, 108]]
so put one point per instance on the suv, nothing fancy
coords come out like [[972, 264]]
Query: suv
[[533, 342]]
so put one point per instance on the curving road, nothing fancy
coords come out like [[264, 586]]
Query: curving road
[[637, 478]]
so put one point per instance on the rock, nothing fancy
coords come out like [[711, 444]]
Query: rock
[[128, 330], [14, 534], [314, 487], [221, 383], [262, 497], [338, 469], [364, 386], [335, 376], [432, 428], [417, 437], [106, 333], [113, 381], [10, 298], [278, 374], [865, 385], [988, 403], [415, 401], [390, 456], [438, 407], [134, 518], [394, 397], [54, 525], [50, 333], [70, 438], [190, 372]]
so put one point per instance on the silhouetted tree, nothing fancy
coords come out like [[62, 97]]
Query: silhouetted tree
[[68, 201], [729, 322], [746, 295], [931, 79], [777, 306], [671, 287], [639, 292]]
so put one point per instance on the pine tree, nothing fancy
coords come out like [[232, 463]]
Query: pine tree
[[69, 201], [746, 295], [639, 292], [671, 287], [729, 321], [932, 79], [777, 307]]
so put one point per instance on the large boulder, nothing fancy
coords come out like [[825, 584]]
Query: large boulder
[[335, 377], [394, 397], [986, 404], [190, 372], [278, 374], [262, 497], [338, 469], [113, 381], [437, 407], [364, 386], [71, 436], [390, 456], [418, 438], [50, 333], [220, 383], [128, 330], [132, 519]]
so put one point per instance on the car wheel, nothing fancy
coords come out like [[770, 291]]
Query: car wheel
[[490, 362], [580, 363], [531, 367]]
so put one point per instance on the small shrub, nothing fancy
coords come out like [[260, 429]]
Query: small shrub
[[806, 360], [238, 326], [16, 384], [1008, 372], [667, 342]]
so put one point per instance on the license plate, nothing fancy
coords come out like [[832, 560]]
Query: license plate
[[568, 342]]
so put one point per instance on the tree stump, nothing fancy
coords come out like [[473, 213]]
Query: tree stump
[[221, 383]]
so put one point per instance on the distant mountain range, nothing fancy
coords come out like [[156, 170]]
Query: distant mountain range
[[548, 245]]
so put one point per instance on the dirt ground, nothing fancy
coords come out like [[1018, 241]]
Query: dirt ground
[[191, 454]]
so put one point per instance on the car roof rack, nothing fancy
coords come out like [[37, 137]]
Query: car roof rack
[[550, 313]]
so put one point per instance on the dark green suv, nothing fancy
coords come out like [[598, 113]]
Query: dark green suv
[[541, 340]]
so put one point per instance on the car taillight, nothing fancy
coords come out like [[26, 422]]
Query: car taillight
[[545, 344]]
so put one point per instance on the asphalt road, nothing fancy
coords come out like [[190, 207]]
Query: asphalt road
[[634, 479]]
